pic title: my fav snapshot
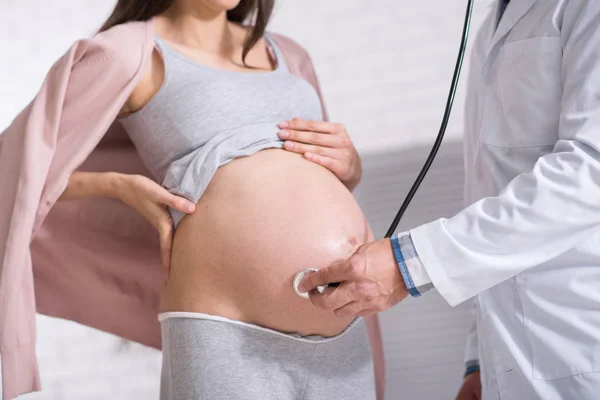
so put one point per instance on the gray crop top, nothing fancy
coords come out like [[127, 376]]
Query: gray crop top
[[204, 117]]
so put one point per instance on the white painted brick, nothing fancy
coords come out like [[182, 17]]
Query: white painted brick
[[385, 68]]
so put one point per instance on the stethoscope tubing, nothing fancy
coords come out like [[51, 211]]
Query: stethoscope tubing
[[434, 150]]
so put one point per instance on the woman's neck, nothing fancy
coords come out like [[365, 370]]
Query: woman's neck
[[198, 27]]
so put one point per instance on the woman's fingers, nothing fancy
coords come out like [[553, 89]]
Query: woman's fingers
[[150, 199], [165, 231], [326, 144], [161, 219], [316, 138], [177, 202], [324, 156], [330, 163], [332, 159], [160, 195], [312, 126], [302, 148]]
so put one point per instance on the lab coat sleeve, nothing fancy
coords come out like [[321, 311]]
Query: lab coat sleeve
[[543, 213]]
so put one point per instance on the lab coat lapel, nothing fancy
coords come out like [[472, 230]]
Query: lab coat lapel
[[515, 10]]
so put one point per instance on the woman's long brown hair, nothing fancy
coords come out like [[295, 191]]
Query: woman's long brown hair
[[143, 10]]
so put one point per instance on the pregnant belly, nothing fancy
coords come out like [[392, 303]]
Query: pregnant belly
[[261, 220]]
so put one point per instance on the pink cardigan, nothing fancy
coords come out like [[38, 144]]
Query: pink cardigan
[[93, 261]]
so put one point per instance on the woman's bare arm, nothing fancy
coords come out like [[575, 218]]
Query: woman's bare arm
[[92, 184]]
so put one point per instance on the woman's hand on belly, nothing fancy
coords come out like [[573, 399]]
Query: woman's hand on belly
[[326, 144], [151, 200]]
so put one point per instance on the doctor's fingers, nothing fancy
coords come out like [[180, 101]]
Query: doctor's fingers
[[348, 299], [364, 304], [355, 309], [339, 271], [333, 298]]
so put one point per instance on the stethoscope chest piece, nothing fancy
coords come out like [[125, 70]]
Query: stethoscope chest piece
[[298, 278]]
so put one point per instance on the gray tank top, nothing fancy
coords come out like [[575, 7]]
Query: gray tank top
[[204, 117]]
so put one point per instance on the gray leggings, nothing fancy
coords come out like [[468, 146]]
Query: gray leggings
[[214, 358]]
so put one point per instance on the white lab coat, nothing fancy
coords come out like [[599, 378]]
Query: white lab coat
[[528, 246]]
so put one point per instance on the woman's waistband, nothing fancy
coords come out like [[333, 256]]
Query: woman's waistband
[[314, 339]]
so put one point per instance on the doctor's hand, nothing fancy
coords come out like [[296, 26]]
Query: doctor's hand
[[471, 387], [326, 144], [370, 282]]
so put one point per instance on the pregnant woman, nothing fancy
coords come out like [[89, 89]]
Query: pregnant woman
[[251, 189]]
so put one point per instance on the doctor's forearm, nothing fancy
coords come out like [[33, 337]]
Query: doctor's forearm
[[538, 217], [542, 214]]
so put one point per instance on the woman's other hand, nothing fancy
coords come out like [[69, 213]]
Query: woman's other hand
[[151, 200], [326, 144]]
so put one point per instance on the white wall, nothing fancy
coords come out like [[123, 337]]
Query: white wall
[[385, 67]]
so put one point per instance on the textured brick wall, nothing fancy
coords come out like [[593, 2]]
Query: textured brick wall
[[385, 67]]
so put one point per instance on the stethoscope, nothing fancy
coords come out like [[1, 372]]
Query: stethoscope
[[436, 146]]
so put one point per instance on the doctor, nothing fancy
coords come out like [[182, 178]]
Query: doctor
[[527, 248]]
